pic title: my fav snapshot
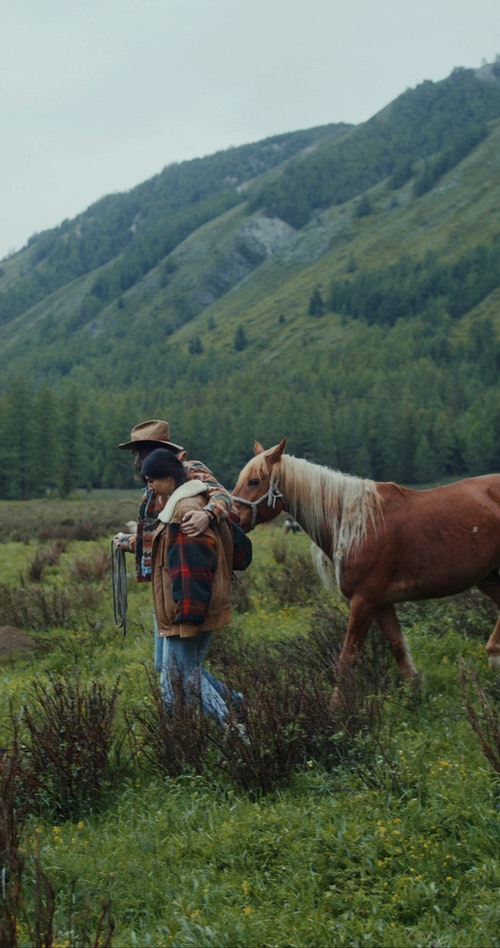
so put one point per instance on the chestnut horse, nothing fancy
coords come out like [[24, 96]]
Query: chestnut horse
[[388, 544]]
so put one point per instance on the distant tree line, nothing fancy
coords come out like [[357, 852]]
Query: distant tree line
[[415, 402]]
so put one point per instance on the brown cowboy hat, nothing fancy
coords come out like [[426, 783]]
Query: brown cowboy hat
[[157, 431]]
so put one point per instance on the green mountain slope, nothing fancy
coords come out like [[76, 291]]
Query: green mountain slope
[[338, 286]]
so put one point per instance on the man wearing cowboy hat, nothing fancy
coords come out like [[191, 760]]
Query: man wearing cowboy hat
[[145, 438], [149, 435]]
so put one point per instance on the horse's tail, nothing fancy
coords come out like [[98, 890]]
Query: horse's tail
[[323, 566]]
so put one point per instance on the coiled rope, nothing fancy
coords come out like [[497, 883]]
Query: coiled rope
[[119, 584]]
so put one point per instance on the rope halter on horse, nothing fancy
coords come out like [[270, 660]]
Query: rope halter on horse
[[272, 495]]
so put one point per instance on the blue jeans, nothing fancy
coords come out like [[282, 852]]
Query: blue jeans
[[158, 646], [184, 658], [167, 659]]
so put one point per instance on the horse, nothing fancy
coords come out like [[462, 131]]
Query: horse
[[388, 544]]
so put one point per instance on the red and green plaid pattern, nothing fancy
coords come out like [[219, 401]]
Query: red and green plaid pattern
[[192, 562]]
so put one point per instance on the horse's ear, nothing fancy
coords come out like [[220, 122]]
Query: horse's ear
[[274, 454], [257, 448]]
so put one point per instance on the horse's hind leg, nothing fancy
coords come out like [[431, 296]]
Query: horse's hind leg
[[390, 629], [491, 587]]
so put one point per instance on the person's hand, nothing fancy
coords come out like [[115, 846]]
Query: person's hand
[[121, 541], [195, 522]]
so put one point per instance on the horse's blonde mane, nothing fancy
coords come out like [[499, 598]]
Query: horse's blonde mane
[[319, 497]]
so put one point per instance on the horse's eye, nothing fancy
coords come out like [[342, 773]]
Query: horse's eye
[[253, 482]]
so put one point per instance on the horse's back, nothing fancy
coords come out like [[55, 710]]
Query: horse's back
[[468, 492]]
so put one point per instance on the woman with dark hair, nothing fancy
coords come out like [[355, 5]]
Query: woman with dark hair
[[191, 579]]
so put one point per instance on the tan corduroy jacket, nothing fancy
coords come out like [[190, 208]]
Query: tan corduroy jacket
[[196, 563]]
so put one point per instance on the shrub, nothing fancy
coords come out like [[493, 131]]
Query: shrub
[[44, 557], [471, 611], [483, 716], [33, 607], [90, 568], [165, 743], [242, 592], [66, 756], [11, 860], [28, 898], [261, 749], [294, 578], [30, 606], [340, 726], [288, 715], [14, 863]]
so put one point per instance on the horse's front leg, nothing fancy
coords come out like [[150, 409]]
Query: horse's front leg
[[390, 629], [361, 616]]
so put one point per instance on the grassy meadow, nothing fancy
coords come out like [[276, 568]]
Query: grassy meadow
[[376, 822]]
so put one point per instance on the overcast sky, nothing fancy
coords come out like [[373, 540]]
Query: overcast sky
[[99, 95]]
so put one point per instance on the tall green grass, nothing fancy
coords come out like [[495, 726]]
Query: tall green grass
[[384, 833]]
